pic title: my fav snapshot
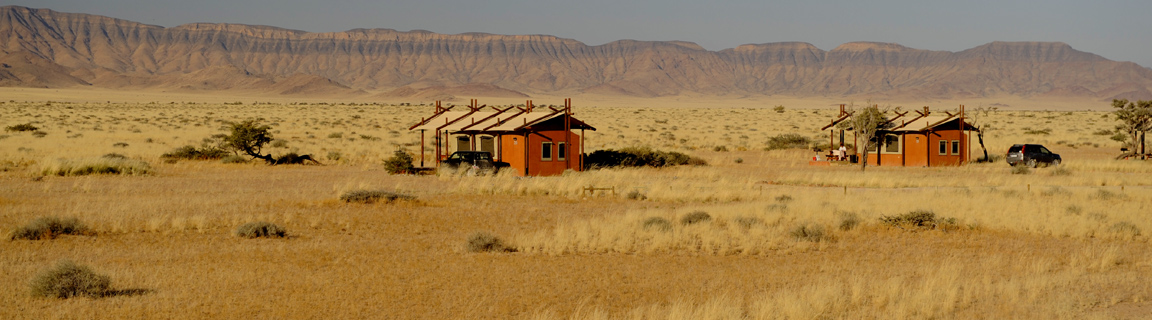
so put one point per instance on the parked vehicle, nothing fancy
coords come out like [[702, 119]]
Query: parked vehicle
[[1030, 155], [481, 161]]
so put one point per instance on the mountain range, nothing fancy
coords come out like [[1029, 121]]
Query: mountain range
[[50, 49]]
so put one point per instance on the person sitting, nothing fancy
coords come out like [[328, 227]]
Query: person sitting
[[842, 153]]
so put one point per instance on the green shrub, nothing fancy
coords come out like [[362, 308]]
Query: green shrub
[[68, 279], [919, 219], [49, 227], [788, 141], [658, 224], [720, 149], [807, 232], [103, 165], [695, 217], [260, 229], [21, 127], [399, 163], [190, 152], [371, 196], [639, 157], [487, 242]]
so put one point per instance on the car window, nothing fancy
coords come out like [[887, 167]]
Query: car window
[[1014, 149], [457, 156], [483, 156], [1044, 150]]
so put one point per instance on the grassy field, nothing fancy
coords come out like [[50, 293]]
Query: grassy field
[[782, 240]]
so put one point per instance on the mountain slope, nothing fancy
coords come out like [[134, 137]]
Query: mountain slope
[[79, 49]]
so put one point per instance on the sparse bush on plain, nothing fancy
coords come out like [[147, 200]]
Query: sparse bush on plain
[[720, 148], [68, 279], [21, 127], [636, 195], [372, 196], [695, 217], [1106, 195], [809, 232], [234, 159], [399, 163], [639, 157], [190, 152], [293, 158], [1125, 228], [39, 134], [788, 141], [657, 224], [784, 198], [102, 165], [1021, 169], [919, 219], [487, 242], [748, 222], [260, 229], [44, 228], [848, 220]]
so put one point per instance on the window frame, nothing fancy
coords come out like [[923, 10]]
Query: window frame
[[955, 147], [546, 151], [560, 151], [943, 150], [897, 141]]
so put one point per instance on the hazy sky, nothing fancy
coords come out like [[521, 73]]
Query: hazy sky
[[1116, 29]]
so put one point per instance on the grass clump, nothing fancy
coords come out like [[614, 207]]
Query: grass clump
[[21, 127], [695, 217], [639, 157], [788, 141], [1021, 169], [1126, 228], [1061, 171], [809, 232], [190, 152], [234, 159], [919, 219], [657, 224], [68, 279], [372, 196], [102, 165], [399, 163], [486, 242], [49, 227], [748, 222], [848, 220], [636, 195], [260, 229]]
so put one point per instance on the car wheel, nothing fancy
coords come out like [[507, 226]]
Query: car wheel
[[1055, 162], [1031, 163]]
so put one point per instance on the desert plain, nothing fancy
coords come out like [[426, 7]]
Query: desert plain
[[784, 240]]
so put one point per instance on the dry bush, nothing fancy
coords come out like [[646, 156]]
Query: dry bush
[[809, 232], [658, 224], [260, 229], [1021, 169], [372, 196], [848, 220], [636, 195], [190, 152], [486, 242], [639, 157], [919, 219], [68, 279], [49, 227], [788, 141], [103, 165], [695, 217], [21, 127]]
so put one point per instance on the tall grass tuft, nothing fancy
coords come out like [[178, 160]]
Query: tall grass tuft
[[695, 217], [487, 242], [49, 227], [260, 229], [372, 196], [102, 165], [919, 219], [68, 279], [848, 220], [657, 224], [809, 232]]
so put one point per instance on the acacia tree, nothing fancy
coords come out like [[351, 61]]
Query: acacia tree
[[1135, 119], [249, 137], [867, 122], [980, 113]]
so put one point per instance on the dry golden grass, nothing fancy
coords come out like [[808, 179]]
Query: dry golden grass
[[1040, 246]]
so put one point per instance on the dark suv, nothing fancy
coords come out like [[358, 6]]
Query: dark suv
[[481, 160], [1031, 154]]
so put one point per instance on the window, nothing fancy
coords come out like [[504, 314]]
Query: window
[[561, 151], [956, 147], [488, 144], [546, 151], [891, 143], [943, 147], [463, 144]]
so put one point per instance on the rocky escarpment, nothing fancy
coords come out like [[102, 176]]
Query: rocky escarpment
[[44, 48]]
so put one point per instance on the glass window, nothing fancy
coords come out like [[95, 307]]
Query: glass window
[[488, 144], [561, 150], [546, 151], [943, 147], [463, 144], [956, 147], [892, 143]]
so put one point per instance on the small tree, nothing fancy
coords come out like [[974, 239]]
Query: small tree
[[980, 113], [867, 122], [249, 137], [400, 162], [1135, 119]]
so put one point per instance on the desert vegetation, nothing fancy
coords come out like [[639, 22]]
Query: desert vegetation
[[764, 237]]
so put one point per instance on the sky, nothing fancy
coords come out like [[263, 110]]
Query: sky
[[1115, 29]]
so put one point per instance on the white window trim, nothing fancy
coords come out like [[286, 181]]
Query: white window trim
[[546, 146], [955, 147], [560, 155], [942, 151]]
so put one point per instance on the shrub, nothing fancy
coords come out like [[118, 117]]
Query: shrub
[[806, 232], [114, 156], [739, 160], [190, 152], [658, 224], [336, 135], [371, 196], [788, 141], [39, 134], [1021, 169], [486, 242], [399, 163], [260, 229], [1105, 195], [720, 149], [120, 144], [67, 279], [848, 220], [234, 159], [778, 109], [103, 165], [49, 227], [748, 222], [1125, 227], [695, 217], [334, 155], [1038, 131], [639, 157], [636, 195], [293, 158], [919, 219], [21, 127], [784, 198]]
